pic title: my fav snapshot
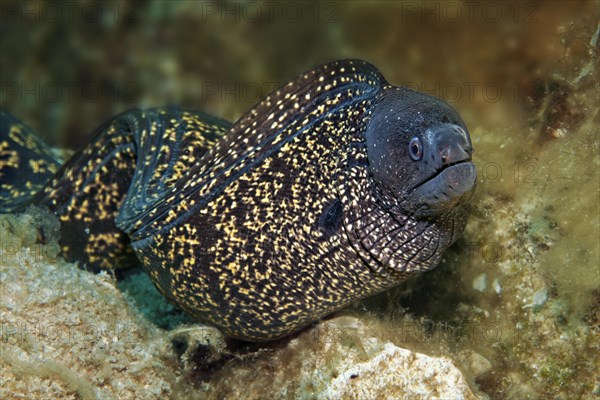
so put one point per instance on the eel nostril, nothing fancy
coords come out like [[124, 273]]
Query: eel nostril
[[444, 155]]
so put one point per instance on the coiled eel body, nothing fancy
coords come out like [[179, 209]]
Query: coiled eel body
[[331, 189]]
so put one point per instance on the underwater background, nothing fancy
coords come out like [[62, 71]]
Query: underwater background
[[513, 311]]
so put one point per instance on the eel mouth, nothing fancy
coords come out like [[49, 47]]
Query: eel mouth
[[438, 172], [449, 186]]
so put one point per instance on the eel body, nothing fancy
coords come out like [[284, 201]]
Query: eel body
[[331, 189]]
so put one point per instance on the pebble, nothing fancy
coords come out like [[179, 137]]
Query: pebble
[[480, 282]]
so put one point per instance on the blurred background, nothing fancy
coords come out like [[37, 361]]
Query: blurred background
[[65, 68]]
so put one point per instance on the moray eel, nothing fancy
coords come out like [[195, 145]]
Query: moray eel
[[331, 189]]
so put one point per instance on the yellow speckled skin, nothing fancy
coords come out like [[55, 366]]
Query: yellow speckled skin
[[26, 163], [265, 226]]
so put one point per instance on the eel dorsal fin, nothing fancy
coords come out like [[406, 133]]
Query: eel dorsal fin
[[169, 142], [282, 116]]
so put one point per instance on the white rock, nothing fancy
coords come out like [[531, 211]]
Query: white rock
[[496, 286], [540, 297], [480, 282], [397, 373], [477, 363]]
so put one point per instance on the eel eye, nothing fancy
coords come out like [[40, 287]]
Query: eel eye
[[415, 149]]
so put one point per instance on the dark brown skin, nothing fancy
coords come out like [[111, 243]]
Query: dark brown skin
[[333, 188]]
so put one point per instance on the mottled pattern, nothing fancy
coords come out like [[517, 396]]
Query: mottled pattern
[[88, 190], [273, 225], [26, 163]]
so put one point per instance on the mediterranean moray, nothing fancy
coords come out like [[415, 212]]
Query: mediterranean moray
[[331, 189]]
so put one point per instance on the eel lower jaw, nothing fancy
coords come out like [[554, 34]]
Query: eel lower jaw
[[439, 171], [449, 186]]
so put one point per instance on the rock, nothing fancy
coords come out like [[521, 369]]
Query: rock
[[477, 363], [341, 358], [480, 282], [188, 341], [68, 333], [496, 286], [539, 298], [398, 373]]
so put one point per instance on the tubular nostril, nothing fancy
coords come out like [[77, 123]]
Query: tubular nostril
[[444, 155]]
